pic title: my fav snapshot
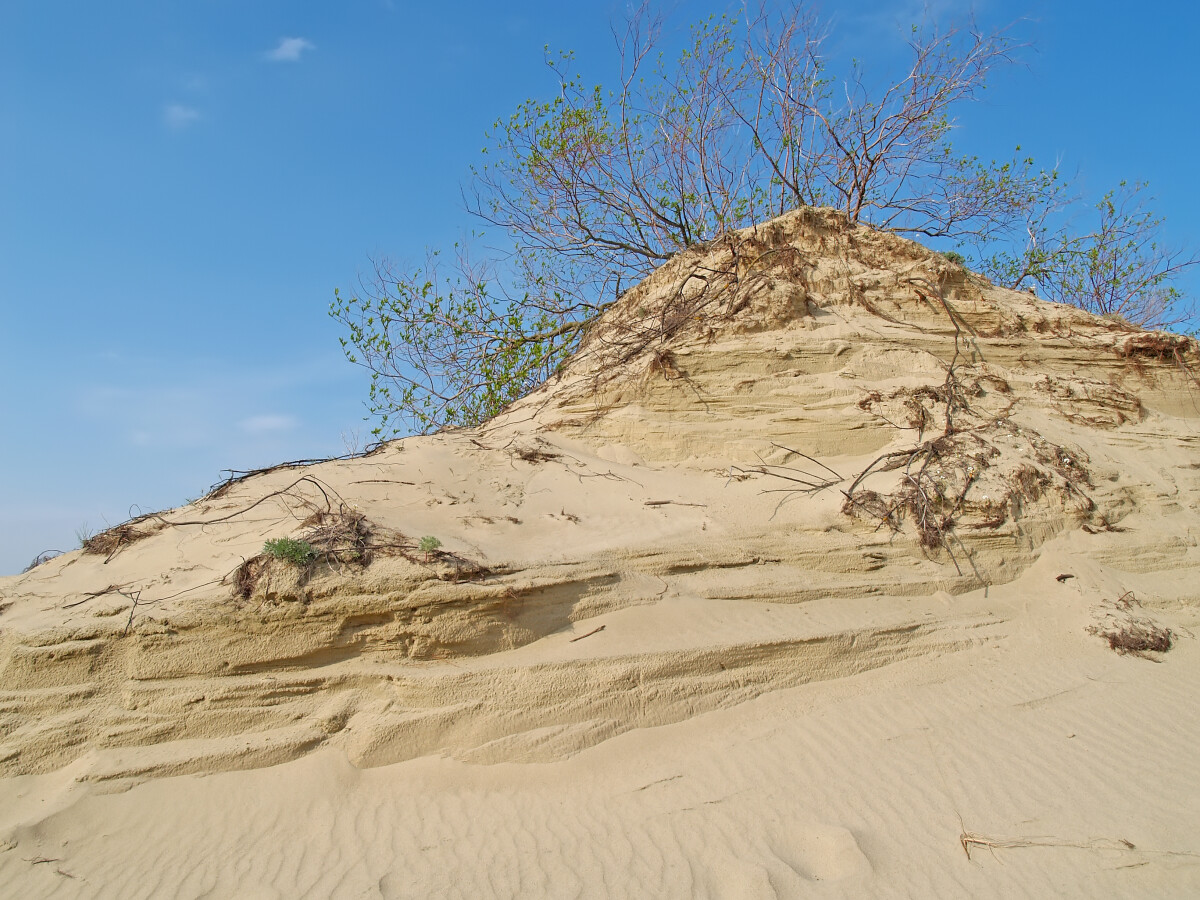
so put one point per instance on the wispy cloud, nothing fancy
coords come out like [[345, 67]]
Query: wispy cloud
[[290, 49], [267, 423], [177, 116]]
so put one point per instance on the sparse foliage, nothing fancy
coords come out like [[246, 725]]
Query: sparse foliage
[[454, 349], [1120, 269]]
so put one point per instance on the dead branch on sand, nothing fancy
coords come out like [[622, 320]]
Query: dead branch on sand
[[969, 839]]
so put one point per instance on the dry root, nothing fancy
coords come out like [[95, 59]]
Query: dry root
[[1161, 346]]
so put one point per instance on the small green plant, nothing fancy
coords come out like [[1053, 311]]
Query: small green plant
[[428, 544], [955, 257], [298, 553], [83, 534]]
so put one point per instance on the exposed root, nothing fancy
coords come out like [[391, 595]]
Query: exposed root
[[1162, 346], [663, 362], [1092, 403], [237, 476], [109, 543], [714, 285], [963, 473], [536, 454], [247, 575], [43, 557]]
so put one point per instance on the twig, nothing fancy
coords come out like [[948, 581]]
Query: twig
[[111, 589], [810, 459], [589, 634], [136, 598]]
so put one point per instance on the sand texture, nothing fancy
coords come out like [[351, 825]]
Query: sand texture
[[803, 579]]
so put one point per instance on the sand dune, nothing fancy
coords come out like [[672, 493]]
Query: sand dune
[[797, 582]]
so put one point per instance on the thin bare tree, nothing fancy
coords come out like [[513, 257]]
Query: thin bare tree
[[595, 188]]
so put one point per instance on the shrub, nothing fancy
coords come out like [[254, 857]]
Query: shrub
[[298, 553], [428, 544]]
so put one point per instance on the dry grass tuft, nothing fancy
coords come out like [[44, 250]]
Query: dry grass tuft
[[1130, 634], [108, 543], [1137, 636]]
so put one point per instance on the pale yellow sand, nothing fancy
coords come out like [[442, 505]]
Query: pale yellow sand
[[637, 670]]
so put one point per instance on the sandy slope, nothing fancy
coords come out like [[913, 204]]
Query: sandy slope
[[672, 644]]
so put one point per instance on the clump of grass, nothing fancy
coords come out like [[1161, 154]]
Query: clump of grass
[[428, 544], [955, 257], [298, 553], [107, 543], [83, 534]]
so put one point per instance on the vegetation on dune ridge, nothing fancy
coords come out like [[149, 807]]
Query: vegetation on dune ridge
[[598, 186]]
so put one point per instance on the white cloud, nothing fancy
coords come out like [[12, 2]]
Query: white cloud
[[289, 49], [267, 423], [176, 116]]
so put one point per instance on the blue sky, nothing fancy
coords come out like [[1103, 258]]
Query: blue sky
[[184, 185]]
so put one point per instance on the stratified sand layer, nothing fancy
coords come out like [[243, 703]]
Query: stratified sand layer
[[795, 583]]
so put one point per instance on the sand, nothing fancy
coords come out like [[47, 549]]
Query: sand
[[671, 644]]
